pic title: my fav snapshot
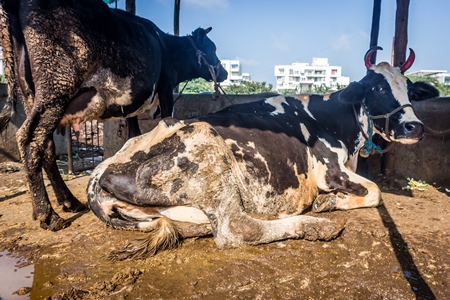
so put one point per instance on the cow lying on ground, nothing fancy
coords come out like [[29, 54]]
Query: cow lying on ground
[[223, 173], [72, 61]]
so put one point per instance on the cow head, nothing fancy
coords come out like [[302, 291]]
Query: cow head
[[384, 94], [207, 62]]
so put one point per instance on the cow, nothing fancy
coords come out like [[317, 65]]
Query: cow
[[73, 61], [246, 173]]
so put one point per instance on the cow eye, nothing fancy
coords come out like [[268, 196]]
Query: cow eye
[[377, 88]]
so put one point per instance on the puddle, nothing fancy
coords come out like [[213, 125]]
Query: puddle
[[13, 277]]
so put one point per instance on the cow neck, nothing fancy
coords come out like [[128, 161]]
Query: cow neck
[[366, 129], [180, 54]]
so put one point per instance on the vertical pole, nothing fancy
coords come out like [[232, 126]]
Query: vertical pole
[[400, 43], [363, 163], [375, 28], [130, 6], [176, 26], [69, 150]]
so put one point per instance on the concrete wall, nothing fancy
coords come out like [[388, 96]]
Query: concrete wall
[[8, 145], [429, 159]]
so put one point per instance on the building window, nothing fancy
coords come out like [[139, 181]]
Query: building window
[[234, 66], [281, 70]]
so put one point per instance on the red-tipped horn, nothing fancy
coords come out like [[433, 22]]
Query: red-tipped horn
[[369, 54], [408, 63]]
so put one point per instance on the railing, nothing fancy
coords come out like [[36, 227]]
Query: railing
[[85, 147]]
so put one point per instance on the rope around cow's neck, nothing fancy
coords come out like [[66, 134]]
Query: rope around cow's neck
[[201, 58], [369, 145]]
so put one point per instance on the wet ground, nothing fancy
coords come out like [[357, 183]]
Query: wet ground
[[400, 250]]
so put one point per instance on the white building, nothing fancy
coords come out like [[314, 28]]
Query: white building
[[442, 76], [306, 77], [235, 75]]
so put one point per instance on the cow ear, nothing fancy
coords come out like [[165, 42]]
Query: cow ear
[[199, 35], [352, 94], [420, 90]]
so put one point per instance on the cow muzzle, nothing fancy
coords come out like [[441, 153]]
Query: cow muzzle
[[409, 133]]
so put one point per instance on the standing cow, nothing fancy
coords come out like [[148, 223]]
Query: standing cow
[[225, 172], [72, 61]]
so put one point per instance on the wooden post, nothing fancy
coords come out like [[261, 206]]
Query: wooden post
[[363, 163], [400, 43], [176, 27], [130, 6], [375, 28]]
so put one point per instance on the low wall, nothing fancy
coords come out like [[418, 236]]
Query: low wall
[[8, 145], [428, 159]]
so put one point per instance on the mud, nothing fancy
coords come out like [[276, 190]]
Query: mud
[[399, 250]]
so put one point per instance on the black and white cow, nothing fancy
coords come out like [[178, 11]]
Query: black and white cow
[[226, 172], [72, 61]]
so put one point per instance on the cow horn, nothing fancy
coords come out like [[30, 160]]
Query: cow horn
[[408, 63], [369, 54], [207, 30]]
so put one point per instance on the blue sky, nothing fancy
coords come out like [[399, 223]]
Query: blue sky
[[262, 34]]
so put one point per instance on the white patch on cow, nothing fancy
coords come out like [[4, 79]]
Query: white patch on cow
[[277, 103], [149, 106], [111, 90], [397, 82], [230, 143], [184, 214], [305, 132], [251, 144], [145, 141], [304, 99]]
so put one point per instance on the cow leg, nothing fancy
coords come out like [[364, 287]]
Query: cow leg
[[232, 227], [62, 193], [32, 137], [133, 127], [349, 191]]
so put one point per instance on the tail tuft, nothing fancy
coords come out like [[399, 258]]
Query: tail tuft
[[163, 236]]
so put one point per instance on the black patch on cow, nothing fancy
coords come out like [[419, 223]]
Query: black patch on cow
[[335, 179], [187, 166], [122, 181], [176, 186], [81, 100]]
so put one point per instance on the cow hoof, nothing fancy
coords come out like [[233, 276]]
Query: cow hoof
[[73, 206], [54, 223], [324, 202]]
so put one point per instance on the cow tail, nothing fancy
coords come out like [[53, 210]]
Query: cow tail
[[163, 236], [9, 108]]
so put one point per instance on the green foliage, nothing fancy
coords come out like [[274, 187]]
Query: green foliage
[[196, 86], [322, 89], [2, 78], [249, 87], [444, 90], [289, 92]]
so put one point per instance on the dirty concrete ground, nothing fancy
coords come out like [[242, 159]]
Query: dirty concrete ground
[[399, 250]]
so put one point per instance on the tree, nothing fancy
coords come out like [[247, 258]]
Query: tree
[[249, 87], [444, 90], [196, 86]]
